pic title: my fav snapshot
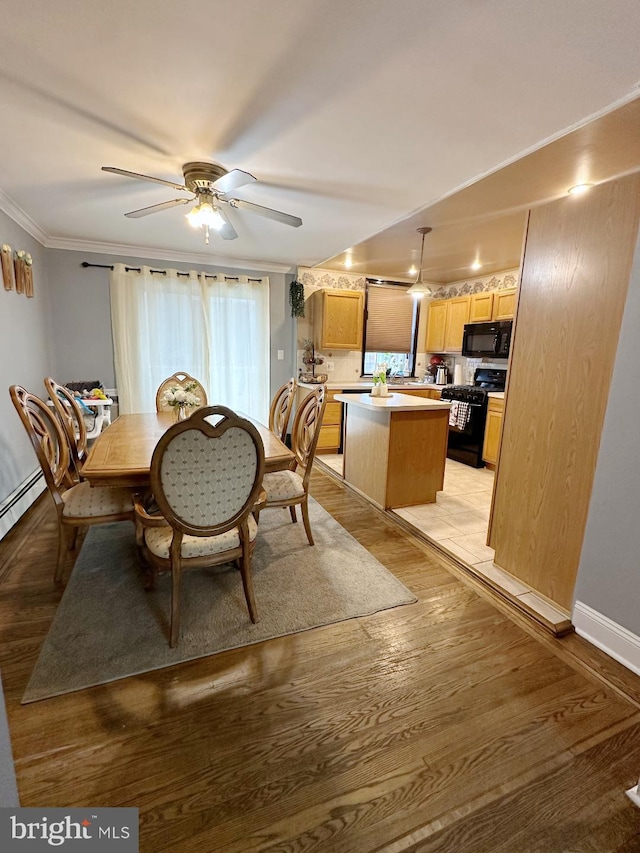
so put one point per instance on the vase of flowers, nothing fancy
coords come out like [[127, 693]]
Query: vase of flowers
[[380, 381], [181, 399]]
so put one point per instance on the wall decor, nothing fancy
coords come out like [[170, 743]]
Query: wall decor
[[17, 268], [23, 269], [6, 254], [28, 275]]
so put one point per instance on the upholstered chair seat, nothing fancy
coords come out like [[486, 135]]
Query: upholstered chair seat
[[158, 541], [283, 486], [83, 501]]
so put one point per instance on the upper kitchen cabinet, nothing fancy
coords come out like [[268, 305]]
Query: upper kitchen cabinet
[[445, 324], [481, 310], [457, 315], [504, 304], [436, 326], [338, 319]]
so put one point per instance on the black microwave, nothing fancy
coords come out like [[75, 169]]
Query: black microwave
[[487, 340]]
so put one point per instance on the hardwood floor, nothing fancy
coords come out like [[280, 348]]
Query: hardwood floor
[[447, 725]]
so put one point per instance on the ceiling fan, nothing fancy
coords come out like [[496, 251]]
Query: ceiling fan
[[210, 185]]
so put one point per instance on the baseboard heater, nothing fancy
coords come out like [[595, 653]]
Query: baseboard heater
[[18, 502]]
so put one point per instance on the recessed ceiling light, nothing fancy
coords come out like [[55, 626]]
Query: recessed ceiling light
[[476, 265], [413, 271], [579, 189], [348, 262]]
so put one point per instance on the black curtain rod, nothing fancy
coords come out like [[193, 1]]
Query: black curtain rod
[[86, 264]]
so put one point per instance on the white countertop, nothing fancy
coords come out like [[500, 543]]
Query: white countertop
[[366, 384], [498, 395], [394, 402]]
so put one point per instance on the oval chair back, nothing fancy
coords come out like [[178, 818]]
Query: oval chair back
[[206, 478], [72, 420], [183, 381], [306, 431], [48, 440], [280, 410]]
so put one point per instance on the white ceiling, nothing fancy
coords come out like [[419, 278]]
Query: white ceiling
[[352, 114]]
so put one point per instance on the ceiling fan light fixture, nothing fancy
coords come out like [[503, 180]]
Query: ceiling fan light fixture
[[420, 289], [205, 213]]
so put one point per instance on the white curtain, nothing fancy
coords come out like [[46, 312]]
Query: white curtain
[[215, 327]]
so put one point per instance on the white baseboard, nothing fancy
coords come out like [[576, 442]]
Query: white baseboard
[[14, 507], [619, 643]]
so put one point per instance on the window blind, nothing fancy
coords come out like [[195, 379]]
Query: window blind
[[389, 319]]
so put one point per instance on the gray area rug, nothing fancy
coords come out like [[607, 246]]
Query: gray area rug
[[107, 627]]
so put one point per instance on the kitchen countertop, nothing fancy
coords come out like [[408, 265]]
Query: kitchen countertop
[[498, 395], [366, 384], [393, 403]]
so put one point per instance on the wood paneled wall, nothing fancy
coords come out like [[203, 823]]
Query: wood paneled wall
[[575, 276]]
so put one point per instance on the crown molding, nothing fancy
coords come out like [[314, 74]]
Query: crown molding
[[8, 205], [128, 251]]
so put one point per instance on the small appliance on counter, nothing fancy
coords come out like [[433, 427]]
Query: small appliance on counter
[[442, 375], [438, 370]]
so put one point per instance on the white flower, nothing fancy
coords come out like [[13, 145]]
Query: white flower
[[178, 397]]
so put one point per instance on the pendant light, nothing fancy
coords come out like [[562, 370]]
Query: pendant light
[[420, 289]]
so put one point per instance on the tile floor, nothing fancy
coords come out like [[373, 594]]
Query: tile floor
[[459, 518], [458, 521]]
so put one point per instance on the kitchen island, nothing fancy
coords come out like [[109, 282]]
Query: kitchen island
[[395, 447]]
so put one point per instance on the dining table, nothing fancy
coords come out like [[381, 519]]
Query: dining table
[[121, 454]]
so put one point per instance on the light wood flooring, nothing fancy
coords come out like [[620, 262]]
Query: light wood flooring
[[448, 725], [458, 522]]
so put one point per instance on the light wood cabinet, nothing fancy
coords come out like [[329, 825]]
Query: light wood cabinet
[[436, 326], [492, 430], [429, 393], [337, 319], [504, 304], [457, 315], [481, 310], [445, 324]]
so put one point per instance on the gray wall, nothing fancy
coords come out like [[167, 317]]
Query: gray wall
[[609, 566], [25, 356], [81, 317]]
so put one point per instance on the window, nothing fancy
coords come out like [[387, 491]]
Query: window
[[214, 327], [391, 328]]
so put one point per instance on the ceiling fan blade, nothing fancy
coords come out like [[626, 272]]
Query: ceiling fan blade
[[155, 208], [227, 232], [232, 180], [138, 177], [285, 218]]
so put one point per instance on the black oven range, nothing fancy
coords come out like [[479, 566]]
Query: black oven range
[[467, 422]]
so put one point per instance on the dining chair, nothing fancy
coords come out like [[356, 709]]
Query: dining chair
[[77, 503], [206, 479], [290, 488], [72, 420], [181, 380], [280, 410]]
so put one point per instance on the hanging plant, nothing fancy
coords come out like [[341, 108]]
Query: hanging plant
[[296, 298]]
